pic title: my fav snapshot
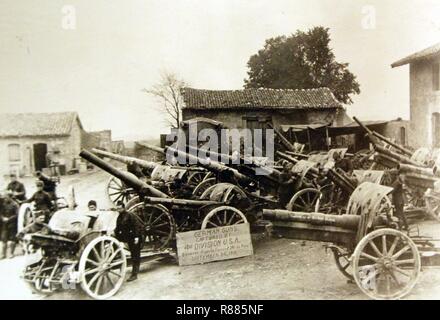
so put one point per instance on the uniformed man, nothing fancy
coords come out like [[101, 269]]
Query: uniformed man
[[42, 202], [16, 189], [130, 229], [344, 164], [49, 186], [8, 226], [398, 197], [286, 185]]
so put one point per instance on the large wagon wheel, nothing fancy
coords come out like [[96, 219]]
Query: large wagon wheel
[[117, 191], [132, 202], [26, 216], [195, 178], [231, 194], [304, 200], [102, 267], [386, 264], [433, 205], [223, 216], [203, 186], [159, 225]]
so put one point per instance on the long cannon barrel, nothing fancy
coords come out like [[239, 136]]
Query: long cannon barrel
[[296, 154], [283, 139], [385, 160], [369, 132], [398, 157], [183, 202], [407, 168], [229, 159], [341, 180], [128, 178], [395, 145], [284, 156], [346, 221], [153, 148], [213, 166], [127, 160]]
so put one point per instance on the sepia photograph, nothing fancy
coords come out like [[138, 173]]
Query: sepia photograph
[[237, 151]]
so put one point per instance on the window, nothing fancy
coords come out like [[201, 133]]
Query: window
[[14, 152], [436, 76]]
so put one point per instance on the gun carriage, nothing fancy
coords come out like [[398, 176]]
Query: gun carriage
[[366, 242], [418, 169], [156, 173], [163, 216]]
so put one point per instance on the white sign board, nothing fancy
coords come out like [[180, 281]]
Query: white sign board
[[200, 246]]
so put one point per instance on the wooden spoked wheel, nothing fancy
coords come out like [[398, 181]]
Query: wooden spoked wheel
[[102, 267], [132, 202], [342, 259], [117, 191], [386, 264], [233, 193], [159, 225], [433, 205], [203, 186], [304, 200], [25, 216], [195, 178], [223, 216]]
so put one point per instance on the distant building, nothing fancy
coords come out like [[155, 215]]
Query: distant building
[[256, 108], [424, 74], [26, 139], [105, 139]]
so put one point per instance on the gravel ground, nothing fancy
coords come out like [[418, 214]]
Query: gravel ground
[[279, 269]]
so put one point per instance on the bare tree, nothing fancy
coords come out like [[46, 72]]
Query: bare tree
[[167, 92]]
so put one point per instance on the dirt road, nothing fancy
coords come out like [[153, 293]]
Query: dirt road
[[279, 269]]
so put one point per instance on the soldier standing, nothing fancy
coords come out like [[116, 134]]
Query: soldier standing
[[8, 226], [399, 198], [16, 188], [130, 229], [286, 185]]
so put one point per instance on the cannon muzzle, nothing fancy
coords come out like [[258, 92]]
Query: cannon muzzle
[[397, 157], [124, 159], [129, 179]]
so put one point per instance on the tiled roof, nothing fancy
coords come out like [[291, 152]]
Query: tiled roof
[[259, 98], [36, 124], [424, 54]]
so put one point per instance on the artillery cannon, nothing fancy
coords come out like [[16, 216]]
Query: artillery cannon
[[116, 189], [163, 216], [367, 245]]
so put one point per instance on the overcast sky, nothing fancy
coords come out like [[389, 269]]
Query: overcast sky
[[120, 47]]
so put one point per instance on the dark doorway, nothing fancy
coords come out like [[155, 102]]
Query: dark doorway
[[40, 151]]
